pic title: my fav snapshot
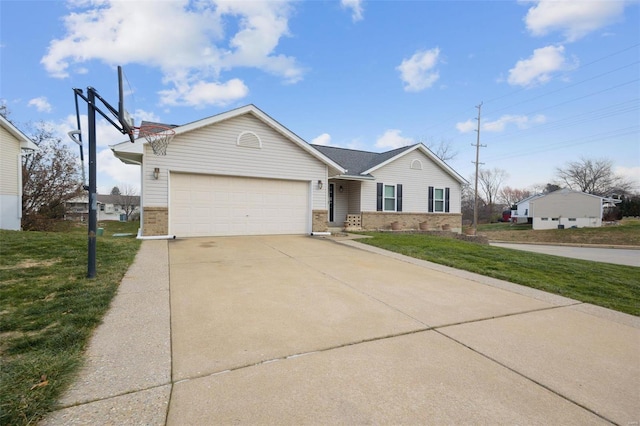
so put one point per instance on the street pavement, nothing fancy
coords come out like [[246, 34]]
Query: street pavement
[[618, 255], [302, 330]]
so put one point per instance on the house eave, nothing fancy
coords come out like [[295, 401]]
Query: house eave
[[25, 142], [352, 177]]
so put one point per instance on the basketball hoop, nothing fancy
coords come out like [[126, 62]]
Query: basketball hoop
[[157, 135]]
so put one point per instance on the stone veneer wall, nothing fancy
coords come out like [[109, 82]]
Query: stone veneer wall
[[155, 221], [372, 221], [320, 221]]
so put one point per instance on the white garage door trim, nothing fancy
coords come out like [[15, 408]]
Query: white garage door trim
[[220, 205]]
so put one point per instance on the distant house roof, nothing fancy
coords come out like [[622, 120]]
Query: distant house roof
[[117, 199], [529, 198], [573, 191]]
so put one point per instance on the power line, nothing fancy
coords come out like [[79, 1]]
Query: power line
[[586, 117], [571, 142], [448, 119]]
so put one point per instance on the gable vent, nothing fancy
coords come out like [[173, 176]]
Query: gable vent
[[416, 164], [249, 140]]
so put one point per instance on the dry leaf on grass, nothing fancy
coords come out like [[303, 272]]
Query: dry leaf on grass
[[43, 382]]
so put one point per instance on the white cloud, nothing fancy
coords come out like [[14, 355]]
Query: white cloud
[[391, 139], [356, 8], [191, 48], [41, 104], [499, 125], [120, 174], [202, 93], [630, 173], [466, 126], [139, 115], [574, 19], [539, 67], [521, 121], [323, 139], [418, 72]]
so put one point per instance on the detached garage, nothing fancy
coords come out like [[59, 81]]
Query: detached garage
[[236, 173]]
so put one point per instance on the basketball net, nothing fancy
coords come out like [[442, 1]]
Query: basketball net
[[158, 137]]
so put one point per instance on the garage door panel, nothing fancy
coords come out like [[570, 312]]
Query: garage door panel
[[203, 205]]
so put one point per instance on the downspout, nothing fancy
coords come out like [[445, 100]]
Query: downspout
[[154, 237]]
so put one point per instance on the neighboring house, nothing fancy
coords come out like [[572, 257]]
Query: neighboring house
[[522, 212], [566, 208], [110, 207], [243, 173], [77, 209], [13, 145]]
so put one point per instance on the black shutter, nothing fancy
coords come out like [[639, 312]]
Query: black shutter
[[446, 200], [431, 199], [399, 195], [380, 189]]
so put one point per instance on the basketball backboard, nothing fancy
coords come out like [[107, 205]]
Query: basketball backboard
[[125, 119]]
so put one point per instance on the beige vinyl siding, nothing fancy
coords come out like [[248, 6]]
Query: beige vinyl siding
[[340, 202], [354, 199], [213, 150], [9, 160], [567, 205], [415, 184]]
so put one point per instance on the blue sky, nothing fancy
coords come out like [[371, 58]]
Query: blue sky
[[558, 80]]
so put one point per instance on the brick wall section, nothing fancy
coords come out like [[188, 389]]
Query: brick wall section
[[320, 220], [156, 221], [372, 221]]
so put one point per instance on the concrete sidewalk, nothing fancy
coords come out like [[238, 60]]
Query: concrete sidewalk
[[126, 379], [296, 330]]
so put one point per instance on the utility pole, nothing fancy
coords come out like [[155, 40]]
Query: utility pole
[[477, 163], [93, 198]]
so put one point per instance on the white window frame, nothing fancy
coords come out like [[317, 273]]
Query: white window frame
[[385, 198], [436, 200]]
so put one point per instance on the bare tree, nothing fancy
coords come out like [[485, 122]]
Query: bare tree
[[490, 181], [593, 177], [443, 149], [50, 177], [510, 196], [127, 198]]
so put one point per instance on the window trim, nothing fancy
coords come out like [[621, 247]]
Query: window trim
[[381, 197], [446, 194], [385, 198]]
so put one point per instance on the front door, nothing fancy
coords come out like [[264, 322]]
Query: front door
[[331, 201]]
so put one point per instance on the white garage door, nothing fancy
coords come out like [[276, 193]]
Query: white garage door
[[204, 205]]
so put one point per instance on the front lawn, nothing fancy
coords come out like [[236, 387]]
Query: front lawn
[[48, 310], [611, 286]]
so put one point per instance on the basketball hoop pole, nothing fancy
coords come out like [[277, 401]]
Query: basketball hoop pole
[[91, 97], [93, 197]]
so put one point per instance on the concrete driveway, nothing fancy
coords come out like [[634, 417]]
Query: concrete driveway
[[299, 330]]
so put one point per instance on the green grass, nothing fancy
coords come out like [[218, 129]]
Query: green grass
[[611, 286], [48, 310], [624, 233]]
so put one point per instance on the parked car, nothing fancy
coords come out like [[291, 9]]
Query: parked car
[[506, 216]]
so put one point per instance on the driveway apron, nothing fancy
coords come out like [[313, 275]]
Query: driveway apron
[[299, 330]]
